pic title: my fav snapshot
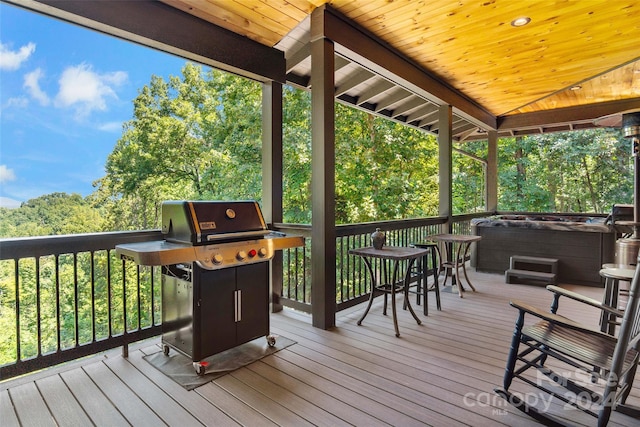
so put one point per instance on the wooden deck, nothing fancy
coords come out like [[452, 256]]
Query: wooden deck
[[440, 373]]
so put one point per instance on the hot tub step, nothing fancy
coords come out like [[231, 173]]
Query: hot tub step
[[532, 263], [515, 276]]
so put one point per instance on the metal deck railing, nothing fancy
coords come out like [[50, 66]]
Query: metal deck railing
[[71, 296]]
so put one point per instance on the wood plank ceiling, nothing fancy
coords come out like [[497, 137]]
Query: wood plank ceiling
[[576, 59]]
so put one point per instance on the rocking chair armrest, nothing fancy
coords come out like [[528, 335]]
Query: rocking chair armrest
[[585, 300], [551, 317]]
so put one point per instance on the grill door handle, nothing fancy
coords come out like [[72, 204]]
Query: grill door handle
[[238, 305]]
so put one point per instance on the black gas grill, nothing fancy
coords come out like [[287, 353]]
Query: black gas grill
[[215, 275]]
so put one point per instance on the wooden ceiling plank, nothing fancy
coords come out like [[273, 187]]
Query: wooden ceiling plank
[[294, 10], [225, 19], [489, 69], [264, 11], [476, 16], [356, 8]]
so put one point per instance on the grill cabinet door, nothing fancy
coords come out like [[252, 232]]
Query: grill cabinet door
[[253, 283], [214, 326]]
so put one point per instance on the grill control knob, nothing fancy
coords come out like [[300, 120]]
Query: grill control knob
[[241, 255], [262, 252], [217, 259]]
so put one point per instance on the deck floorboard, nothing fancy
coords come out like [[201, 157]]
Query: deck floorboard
[[439, 373]]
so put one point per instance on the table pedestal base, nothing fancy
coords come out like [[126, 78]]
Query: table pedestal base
[[390, 285]]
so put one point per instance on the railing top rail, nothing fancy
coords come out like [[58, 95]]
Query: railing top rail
[[470, 216], [365, 227], [26, 247], [593, 214]]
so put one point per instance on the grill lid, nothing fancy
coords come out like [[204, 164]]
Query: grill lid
[[204, 222]]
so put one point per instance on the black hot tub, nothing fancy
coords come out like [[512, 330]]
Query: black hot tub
[[580, 243]]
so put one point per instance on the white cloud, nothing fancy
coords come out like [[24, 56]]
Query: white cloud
[[20, 102], [86, 90], [110, 127], [6, 174], [32, 84], [6, 202], [11, 60]]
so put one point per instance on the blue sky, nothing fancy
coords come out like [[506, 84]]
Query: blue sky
[[65, 92]]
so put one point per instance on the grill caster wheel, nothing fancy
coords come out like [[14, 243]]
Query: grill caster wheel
[[165, 350], [200, 368], [271, 340]]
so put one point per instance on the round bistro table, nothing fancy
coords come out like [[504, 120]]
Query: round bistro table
[[390, 284]]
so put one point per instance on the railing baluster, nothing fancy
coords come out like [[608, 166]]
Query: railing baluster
[[153, 297], [138, 268], [58, 311], [17, 306], [38, 308], [76, 299], [124, 298], [93, 296], [109, 308]]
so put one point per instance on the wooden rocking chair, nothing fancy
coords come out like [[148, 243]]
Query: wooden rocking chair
[[609, 362]]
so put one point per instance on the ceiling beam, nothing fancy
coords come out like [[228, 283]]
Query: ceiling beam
[[421, 112], [300, 55], [358, 78], [375, 89], [408, 106], [393, 98], [147, 22], [429, 120], [362, 47], [550, 118]]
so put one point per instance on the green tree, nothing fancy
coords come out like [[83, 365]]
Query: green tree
[[197, 136], [384, 170], [580, 171], [51, 214], [469, 177]]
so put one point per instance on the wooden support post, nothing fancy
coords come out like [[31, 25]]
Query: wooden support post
[[445, 148], [323, 229], [272, 175], [491, 185]]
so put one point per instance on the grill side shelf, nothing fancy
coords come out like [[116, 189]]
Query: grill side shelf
[[158, 252], [168, 253]]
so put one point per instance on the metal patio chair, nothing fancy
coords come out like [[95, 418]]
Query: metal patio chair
[[608, 363]]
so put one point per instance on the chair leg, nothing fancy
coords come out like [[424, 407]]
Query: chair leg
[[513, 352], [436, 272]]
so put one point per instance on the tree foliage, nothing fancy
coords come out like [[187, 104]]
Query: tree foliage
[[383, 170], [584, 171], [197, 136], [51, 214]]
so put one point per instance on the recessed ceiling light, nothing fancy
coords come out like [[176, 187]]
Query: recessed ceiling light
[[576, 87], [520, 22]]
